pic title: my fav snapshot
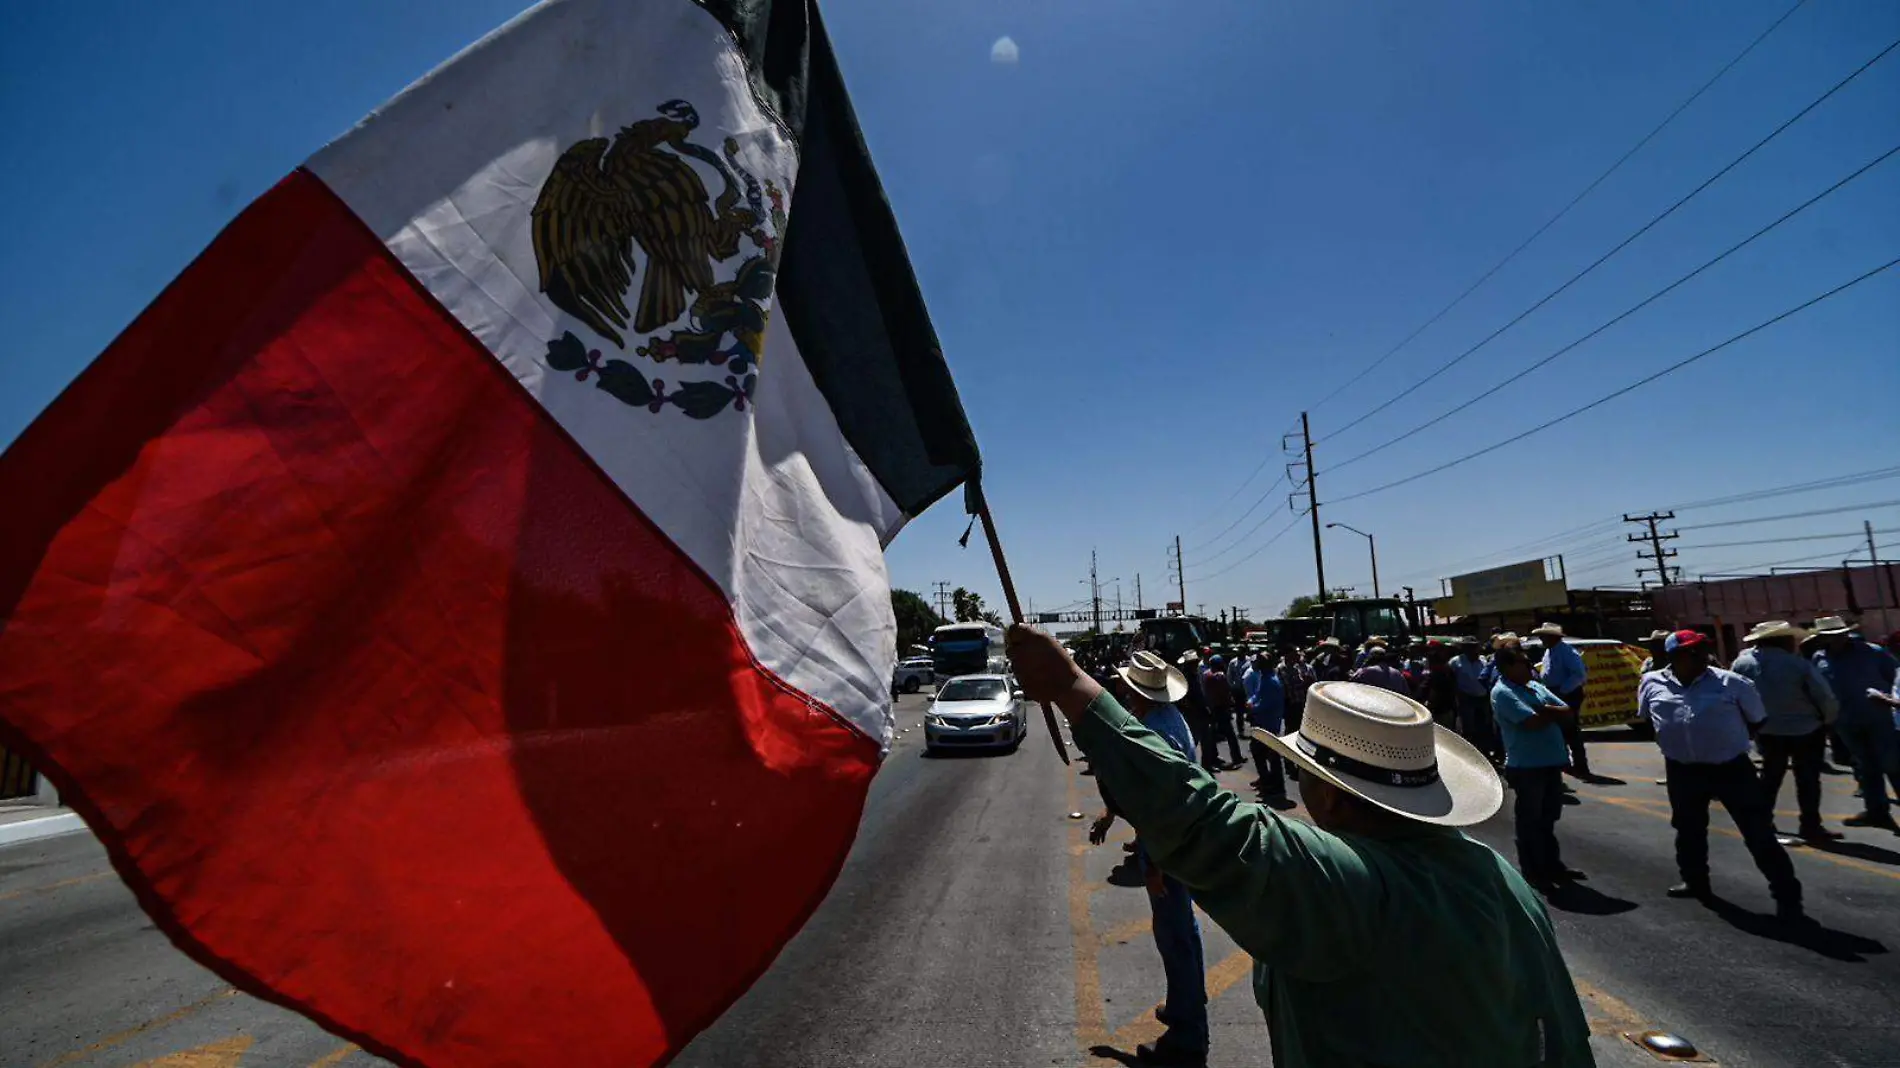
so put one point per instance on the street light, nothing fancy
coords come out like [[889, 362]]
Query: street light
[[1371, 546]]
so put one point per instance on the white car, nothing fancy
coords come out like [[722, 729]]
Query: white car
[[912, 674], [976, 712]]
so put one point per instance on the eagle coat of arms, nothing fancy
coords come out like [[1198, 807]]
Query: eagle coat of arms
[[604, 197]]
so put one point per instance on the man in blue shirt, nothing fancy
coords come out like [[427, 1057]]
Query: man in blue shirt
[[1535, 756], [1563, 673], [1153, 688], [1857, 670], [1800, 704], [1266, 707], [1705, 719], [1474, 698]]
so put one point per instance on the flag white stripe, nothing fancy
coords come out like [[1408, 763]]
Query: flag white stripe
[[771, 503]]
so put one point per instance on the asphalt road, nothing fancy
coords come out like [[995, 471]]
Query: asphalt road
[[973, 925]]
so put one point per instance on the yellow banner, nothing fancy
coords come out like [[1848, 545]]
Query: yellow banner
[[1612, 673]]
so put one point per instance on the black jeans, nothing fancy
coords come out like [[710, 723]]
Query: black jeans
[[1540, 803], [1736, 786], [1221, 730], [1804, 751], [1573, 733], [1267, 763]]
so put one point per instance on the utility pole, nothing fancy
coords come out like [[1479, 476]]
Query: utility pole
[[1873, 554], [1118, 598], [1312, 505], [943, 600], [1095, 593], [1180, 575], [1655, 538], [1137, 591]]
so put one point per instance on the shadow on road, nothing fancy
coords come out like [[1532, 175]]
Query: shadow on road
[[1826, 941], [1585, 901], [1119, 1056], [1858, 850]]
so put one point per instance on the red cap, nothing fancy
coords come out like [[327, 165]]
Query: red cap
[[1685, 639]]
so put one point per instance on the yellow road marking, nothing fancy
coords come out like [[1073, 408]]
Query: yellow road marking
[[1661, 811], [1220, 978], [223, 1054], [334, 1055], [61, 885], [150, 1025], [1128, 932]]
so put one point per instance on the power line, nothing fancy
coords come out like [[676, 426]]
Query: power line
[[1257, 502], [1263, 546], [1587, 532], [1845, 554], [1520, 375], [1633, 386], [1565, 210], [1242, 540], [1244, 483], [1792, 515], [1620, 246], [1851, 479], [1798, 537]]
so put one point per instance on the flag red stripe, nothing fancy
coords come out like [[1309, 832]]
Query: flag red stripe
[[386, 702]]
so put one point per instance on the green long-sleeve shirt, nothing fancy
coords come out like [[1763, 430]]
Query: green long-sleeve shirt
[[1425, 950]]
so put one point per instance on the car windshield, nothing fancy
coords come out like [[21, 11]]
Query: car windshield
[[973, 690]]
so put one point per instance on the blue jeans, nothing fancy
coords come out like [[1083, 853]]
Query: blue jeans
[[1875, 750], [1178, 937]]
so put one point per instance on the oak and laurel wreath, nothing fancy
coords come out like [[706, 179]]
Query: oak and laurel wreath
[[627, 383]]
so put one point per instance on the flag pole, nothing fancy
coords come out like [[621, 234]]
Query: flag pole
[[1015, 608]]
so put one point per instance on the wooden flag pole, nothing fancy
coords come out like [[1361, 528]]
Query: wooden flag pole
[[1016, 612]]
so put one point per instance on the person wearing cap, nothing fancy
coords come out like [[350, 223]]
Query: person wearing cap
[[1800, 705], [1360, 957], [1220, 713], [1858, 671], [1380, 671], [1194, 709], [1563, 672], [1705, 718], [1153, 690], [1527, 715], [1474, 697]]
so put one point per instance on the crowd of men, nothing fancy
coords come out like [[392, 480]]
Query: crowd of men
[[1790, 696]]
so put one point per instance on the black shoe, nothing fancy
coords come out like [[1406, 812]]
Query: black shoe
[[1128, 847], [1696, 890], [1571, 874], [1174, 1057], [1882, 820]]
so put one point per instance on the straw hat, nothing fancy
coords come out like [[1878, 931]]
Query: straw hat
[[1658, 636], [1384, 747], [1829, 626], [1375, 640], [1776, 628], [1555, 630], [1328, 643], [1509, 637], [1153, 678]]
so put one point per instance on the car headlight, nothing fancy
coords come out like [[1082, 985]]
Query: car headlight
[[933, 719]]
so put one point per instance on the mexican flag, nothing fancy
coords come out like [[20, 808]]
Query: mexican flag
[[458, 602]]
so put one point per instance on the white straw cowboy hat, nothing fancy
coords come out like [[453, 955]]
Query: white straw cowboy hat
[[1384, 747], [1555, 630], [1828, 626], [1329, 643], [1154, 678], [1776, 628]]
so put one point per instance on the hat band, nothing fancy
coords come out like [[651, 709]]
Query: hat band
[[1333, 760]]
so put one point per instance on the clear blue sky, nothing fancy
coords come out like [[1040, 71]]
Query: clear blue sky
[[1158, 235]]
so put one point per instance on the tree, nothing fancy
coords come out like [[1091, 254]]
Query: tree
[[969, 608], [1302, 605], [915, 619]]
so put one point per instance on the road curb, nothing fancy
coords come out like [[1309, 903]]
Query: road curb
[[42, 827]]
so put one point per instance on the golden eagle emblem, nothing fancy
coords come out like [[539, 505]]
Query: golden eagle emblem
[[604, 197]]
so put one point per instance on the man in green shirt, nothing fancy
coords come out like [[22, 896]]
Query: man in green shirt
[[1381, 937]]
